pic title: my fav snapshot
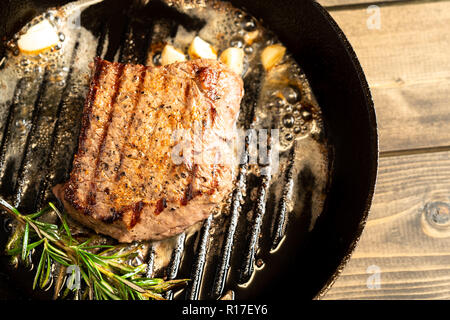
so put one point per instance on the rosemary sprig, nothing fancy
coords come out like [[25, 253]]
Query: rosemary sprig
[[103, 268]]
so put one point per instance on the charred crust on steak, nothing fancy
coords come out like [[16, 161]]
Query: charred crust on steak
[[136, 216], [101, 148], [189, 192], [71, 187], [132, 117], [115, 215], [87, 114], [161, 204]]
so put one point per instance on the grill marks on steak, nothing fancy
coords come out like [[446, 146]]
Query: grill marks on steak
[[124, 182], [112, 140]]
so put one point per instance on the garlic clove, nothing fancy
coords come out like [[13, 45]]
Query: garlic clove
[[171, 55], [272, 55], [234, 59], [199, 48], [38, 38]]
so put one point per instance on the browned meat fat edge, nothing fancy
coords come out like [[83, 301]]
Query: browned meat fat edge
[[71, 188], [124, 223]]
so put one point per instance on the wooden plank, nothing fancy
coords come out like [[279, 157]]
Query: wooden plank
[[407, 236], [407, 65], [341, 3]]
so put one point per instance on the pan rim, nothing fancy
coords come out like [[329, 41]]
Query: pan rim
[[374, 141]]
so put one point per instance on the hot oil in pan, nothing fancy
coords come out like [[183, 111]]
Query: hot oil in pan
[[251, 231]]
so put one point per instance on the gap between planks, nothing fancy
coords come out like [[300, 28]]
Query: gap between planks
[[397, 153]]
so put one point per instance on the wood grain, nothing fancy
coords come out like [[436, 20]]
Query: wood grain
[[341, 3], [408, 242], [407, 65]]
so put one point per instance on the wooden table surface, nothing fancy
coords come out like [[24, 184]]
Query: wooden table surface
[[404, 49]]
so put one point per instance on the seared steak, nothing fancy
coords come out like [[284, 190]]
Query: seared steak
[[132, 177]]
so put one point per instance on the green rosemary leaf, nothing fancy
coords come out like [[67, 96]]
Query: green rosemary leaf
[[46, 226], [94, 258], [122, 267], [148, 282], [81, 245], [26, 235], [31, 246], [129, 284], [139, 296], [108, 289], [56, 251], [14, 252], [136, 270], [115, 257], [123, 292], [63, 220], [39, 268], [100, 246], [45, 276], [85, 276], [95, 292], [56, 254], [9, 208], [90, 266], [58, 259], [168, 285], [38, 214], [152, 295]]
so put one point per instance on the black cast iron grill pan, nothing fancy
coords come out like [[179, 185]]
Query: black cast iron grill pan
[[34, 160]]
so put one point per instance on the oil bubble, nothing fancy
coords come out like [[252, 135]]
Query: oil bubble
[[38, 69], [238, 14], [292, 94], [249, 23], [288, 121], [306, 113], [288, 108], [24, 62], [157, 59], [278, 102], [248, 49], [237, 42], [7, 225], [49, 16]]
